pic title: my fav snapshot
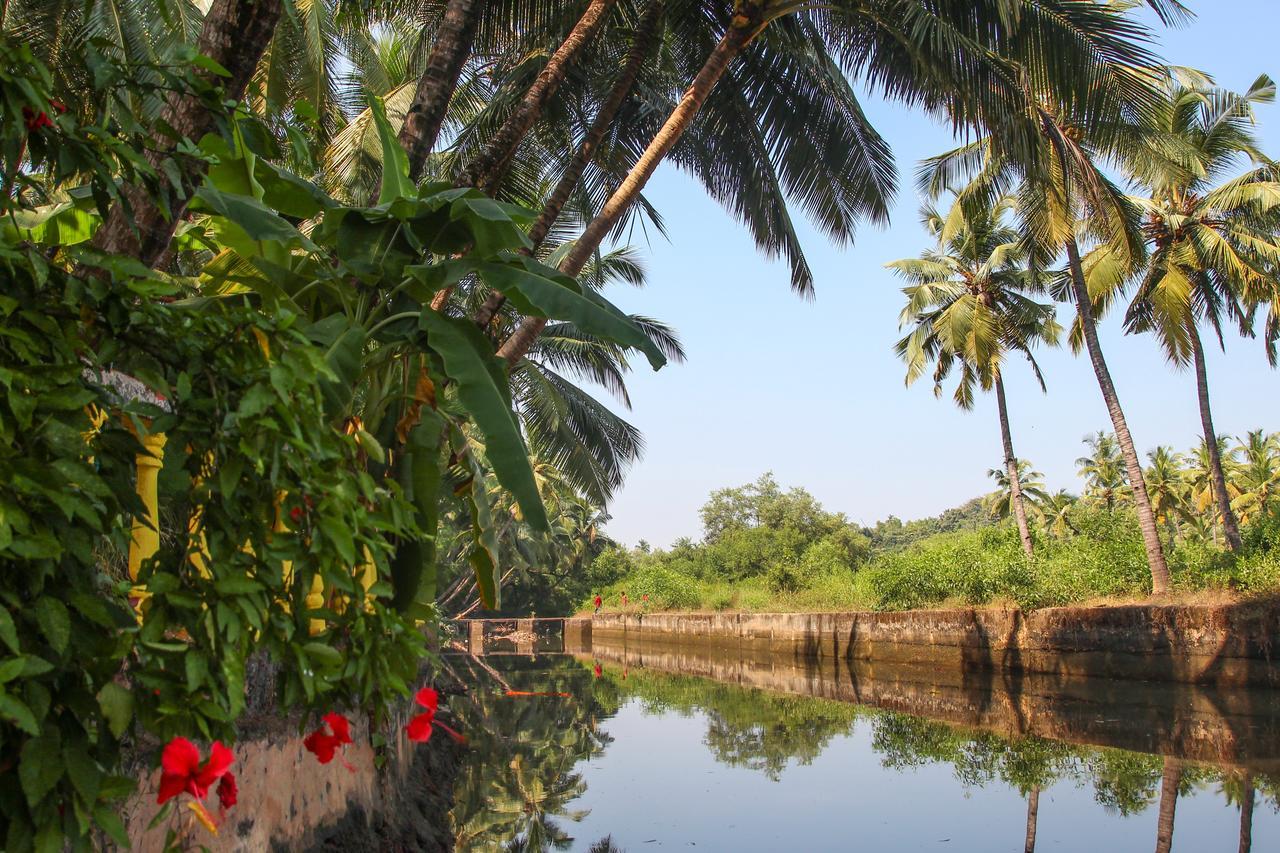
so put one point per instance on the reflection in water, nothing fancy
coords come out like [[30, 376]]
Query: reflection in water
[[527, 778], [515, 789]]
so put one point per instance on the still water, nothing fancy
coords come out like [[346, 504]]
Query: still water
[[662, 760]]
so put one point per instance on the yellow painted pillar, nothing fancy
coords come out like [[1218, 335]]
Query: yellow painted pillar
[[368, 577], [145, 540], [315, 600], [195, 527]]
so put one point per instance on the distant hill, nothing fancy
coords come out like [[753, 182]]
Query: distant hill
[[893, 533]]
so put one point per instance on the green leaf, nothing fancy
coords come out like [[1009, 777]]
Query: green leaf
[[344, 343], [540, 291], [237, 586], [84, 772], [40, 765], [261, 228], [420, 468], [54, 622], [484, 390], [11, 669], [324, 655], [19, 714], [106, 817], [8, 632], [395, 162], [197, 669], [116, 703], [289, 194], [484, 551]]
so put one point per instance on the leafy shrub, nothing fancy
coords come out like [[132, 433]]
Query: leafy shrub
[[666, 589]]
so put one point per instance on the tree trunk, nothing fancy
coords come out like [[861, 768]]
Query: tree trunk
[[641, 43], [747, 21], [1146, 518], [1169, 782], [235, 34], [1033, 817], [435, 87], [1011, 466], [485, 170], [1230, 527], [1246, 814]]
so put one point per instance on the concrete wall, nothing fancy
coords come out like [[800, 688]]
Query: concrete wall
[[1228, 646], [289, 801]]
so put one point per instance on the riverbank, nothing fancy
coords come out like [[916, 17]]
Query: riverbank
[[1227, 645]]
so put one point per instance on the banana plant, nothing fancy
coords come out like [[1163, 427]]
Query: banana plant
[[412, 383]]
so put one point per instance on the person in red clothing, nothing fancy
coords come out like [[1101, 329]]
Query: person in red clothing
[[598, 601]]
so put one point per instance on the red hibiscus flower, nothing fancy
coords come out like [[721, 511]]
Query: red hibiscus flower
[[420, 727], [228, 791], [597, 671], [35, 120], [182, 770], [295, 514], [325, 741]]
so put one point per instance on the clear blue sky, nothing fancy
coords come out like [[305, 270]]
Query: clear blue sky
[[813, 391]]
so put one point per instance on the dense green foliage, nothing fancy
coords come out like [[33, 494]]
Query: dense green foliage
[[317, 415], [769, 549]]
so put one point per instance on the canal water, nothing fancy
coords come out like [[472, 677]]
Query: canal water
[[760, 757]]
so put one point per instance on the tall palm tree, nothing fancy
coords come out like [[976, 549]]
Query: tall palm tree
[[1213, 242], [1257, 475], [1064, 197], [970, 306], [1103, 470], [1170, 782], [954, 59]]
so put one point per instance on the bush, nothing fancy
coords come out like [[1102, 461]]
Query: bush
[[974, 567], [666, 589]]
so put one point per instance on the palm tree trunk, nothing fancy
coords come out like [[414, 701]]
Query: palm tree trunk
[[1033, 817], [1146, 518], [1169, 782], [235, 34], [485, 170], [1230, 527], [435, 87], [641, 43], [1011, 466], [1246, 814], [747, 21]]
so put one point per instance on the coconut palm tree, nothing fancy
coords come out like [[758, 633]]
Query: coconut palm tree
[[1202, 481], [1057, 513], [959, 60], [970, 307], [1167, 487], [1170, 782], [1030, 488], [1257, 475], [1103, 470], [1213, 241]]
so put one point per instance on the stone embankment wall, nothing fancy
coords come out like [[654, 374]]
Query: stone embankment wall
[[1225, 645], [1205, 724]]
